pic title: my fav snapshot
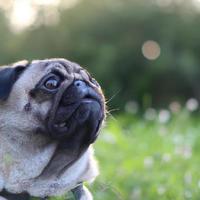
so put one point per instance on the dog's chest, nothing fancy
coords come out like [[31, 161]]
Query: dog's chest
[[19, 163], [21, 167]]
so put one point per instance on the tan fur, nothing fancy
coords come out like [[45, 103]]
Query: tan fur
[[24, 155]]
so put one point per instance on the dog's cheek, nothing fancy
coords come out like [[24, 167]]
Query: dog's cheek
[[39, 110], [44, 108]]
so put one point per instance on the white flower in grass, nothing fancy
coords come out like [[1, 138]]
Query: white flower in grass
[[131, 107], [188, 194], [150, 114], [161, 189], [136, 193], [164, 116], [148, 162], [188, 178], [175, 107], [184, 151], [166, 157], [177, 139], [192, 104], [187, 152]]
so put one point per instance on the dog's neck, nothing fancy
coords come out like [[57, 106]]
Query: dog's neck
[[27, 161], [24, 152]]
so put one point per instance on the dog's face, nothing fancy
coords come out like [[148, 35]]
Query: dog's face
[[56, 98]]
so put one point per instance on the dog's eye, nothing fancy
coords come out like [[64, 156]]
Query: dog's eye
[[52, 83]]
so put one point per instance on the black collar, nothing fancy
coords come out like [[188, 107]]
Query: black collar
[[77, 192], [20, 196]]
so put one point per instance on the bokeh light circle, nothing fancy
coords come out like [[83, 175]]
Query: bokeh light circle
[[151, 50]]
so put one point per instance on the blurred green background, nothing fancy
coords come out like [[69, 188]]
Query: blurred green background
[[146, 56]]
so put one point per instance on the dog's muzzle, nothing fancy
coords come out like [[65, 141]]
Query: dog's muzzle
[[80, 111]]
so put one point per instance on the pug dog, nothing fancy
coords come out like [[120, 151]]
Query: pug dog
[[50, 114]]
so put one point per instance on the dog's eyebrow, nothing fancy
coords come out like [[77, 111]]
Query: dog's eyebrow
[[65, 65], [58, 72]]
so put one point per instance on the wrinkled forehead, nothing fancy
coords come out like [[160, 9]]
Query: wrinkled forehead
[[68, 69], [38, 69]]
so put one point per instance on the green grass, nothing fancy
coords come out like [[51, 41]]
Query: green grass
[[148, 160]]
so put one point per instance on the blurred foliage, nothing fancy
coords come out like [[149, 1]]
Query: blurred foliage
[[151, 160], [106, 37]]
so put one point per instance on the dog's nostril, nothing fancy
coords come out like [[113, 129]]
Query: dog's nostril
[[81, 88], [80, 84]]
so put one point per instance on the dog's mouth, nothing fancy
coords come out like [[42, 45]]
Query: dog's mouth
[[80, 111]]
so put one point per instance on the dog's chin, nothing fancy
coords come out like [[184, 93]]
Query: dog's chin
[[86, 113], [83, 116]]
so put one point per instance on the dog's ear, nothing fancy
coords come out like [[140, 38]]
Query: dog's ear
[[8, 76]]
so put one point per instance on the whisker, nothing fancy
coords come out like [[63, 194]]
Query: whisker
[[108, 112], [113, 96], [112, 117], [113, 110]]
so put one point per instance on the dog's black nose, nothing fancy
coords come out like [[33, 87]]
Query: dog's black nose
[[81, 86], [76, 91]]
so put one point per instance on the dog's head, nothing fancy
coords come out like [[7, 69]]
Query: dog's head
[[55, 97]]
